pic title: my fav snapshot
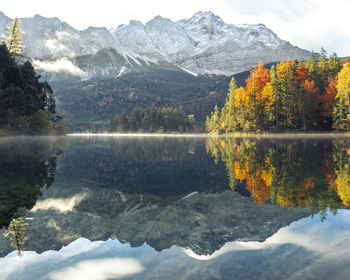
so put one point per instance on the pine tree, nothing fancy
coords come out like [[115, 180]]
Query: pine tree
[[214, 119], [14, 40], [334, 65], [312, 76], [16, 233], [230, 104], [275, 109]]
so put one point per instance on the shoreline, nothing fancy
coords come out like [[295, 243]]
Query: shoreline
[[287, 135], [207, 135]]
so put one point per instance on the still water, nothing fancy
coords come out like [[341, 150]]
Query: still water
[[174, 208]]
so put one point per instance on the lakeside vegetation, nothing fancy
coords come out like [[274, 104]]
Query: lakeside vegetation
[[296, 95], [152, 119], [27, 106]]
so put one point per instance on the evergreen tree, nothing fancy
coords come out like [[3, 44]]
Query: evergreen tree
[[312, 76], [334, 65], [27, 106], [214, 119], [230, 121], [14, 40], [275, 108]]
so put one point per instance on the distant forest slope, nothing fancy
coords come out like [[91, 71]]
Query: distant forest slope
[[95, 102]]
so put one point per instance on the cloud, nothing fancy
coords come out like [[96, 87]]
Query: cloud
[[99, 269], [62, 205], [309, 24], [306, 23], [57, 66]]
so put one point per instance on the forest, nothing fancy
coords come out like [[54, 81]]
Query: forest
[[310, 95], [27, 106], [152, 119]]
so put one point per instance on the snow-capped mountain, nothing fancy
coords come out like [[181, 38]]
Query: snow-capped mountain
[[201, 44]]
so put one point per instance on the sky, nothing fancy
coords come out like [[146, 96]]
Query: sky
[[309, 24]]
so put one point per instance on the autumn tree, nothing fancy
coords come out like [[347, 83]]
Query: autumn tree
[[240, 102], [342, 105], [296, 94], [256, 82]]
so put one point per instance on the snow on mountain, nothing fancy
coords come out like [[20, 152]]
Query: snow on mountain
[[201, 44], [205, 28], [133, 37], [169, 37]]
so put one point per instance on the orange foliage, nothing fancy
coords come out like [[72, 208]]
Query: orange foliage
[[259, 77], [327, 100], [302, 74], [308, 183], [310, 87], [258, 182]]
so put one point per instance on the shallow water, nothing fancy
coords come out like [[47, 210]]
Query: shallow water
[[174, 207]]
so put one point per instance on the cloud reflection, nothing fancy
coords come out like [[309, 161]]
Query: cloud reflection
[[62, 205], [99, 269], [308, 233]]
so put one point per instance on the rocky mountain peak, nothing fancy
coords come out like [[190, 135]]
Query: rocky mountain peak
[[203, 43], [206, 18]]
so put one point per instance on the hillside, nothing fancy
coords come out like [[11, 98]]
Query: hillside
[[96, 101]]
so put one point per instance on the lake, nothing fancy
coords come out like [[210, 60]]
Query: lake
[[94, 207]]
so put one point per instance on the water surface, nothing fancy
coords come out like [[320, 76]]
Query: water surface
[[174, 208]]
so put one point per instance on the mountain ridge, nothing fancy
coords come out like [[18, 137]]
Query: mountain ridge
[[201, 44]]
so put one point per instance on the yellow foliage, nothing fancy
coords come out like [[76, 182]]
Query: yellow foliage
[[343, 86], [267, 97], [240, 97], [343, 185]]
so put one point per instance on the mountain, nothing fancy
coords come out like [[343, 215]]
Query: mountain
[[98, 72], [202, 44]]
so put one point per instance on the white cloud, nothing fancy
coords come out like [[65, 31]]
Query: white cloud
[[57, 66], [307, 23]]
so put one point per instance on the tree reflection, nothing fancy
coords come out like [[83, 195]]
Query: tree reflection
[[26, 166], [341, 157], [16, 233], [290, 173]]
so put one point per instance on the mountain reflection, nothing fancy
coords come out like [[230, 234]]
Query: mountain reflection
[[288, 172]]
